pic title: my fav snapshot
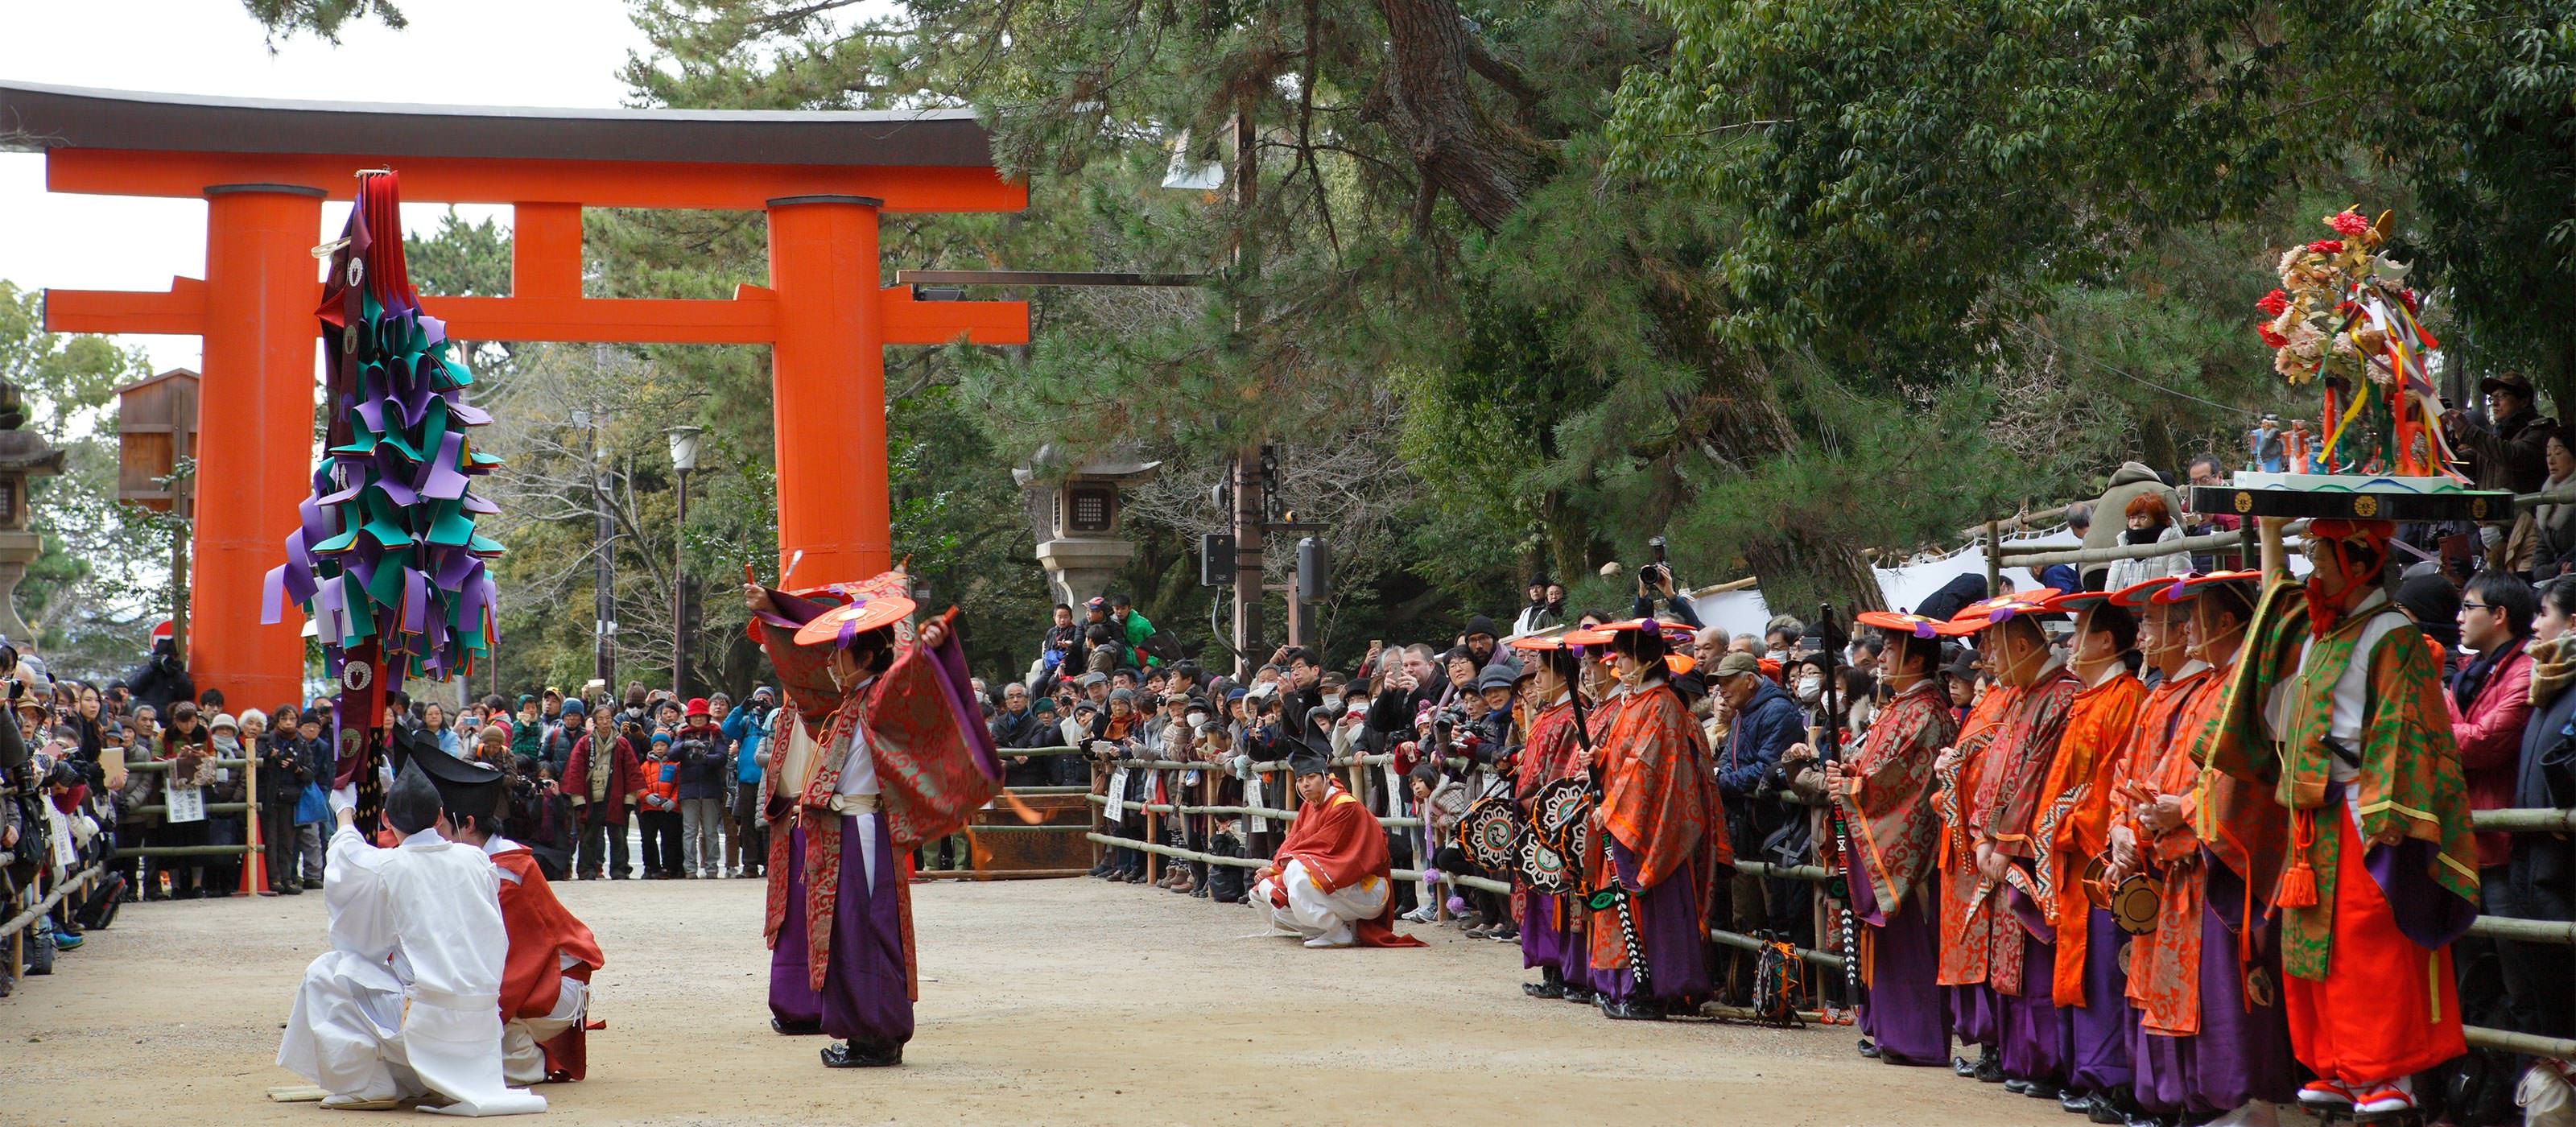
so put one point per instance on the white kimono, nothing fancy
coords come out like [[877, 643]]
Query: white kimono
[[1326, 919], [439, 905]]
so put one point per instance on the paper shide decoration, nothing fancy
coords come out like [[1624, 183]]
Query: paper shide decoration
[[386, 558]]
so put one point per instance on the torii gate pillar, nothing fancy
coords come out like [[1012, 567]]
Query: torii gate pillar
[[828, 386], [256, 396]]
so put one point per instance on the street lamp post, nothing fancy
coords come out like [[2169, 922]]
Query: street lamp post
[[684, 458]]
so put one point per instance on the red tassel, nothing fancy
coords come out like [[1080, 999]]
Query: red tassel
[[2299, 881], [2298, 887]]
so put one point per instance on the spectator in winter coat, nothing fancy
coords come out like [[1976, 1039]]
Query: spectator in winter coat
[[2149, 521], [2129, 481], [699, 747], [747, 842], [528, 731], [2490, 699], [556, 751], [282, 776], [1764, 721], [603, 780], [2507, 455]]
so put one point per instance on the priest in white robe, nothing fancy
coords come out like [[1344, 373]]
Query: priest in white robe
[[439, 1040]]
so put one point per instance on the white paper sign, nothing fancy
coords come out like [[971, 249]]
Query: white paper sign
[[1117, 805], [1252, 797], [186, 804]]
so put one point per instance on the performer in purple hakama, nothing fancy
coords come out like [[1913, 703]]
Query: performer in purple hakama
[[883, 753], [1552, 923], [1887, 801], [1885, 791]]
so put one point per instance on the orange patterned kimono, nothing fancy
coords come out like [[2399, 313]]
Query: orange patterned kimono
[[1895, 831], [2164, 964], [1966, 936], [2008, 807], [1659, 801], [2077, 817]]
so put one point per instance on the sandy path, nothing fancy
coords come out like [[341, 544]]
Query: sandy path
[[1054, 1002]]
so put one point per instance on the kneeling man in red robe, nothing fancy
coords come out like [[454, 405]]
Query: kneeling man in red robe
[[545, 977], [1328, 882]]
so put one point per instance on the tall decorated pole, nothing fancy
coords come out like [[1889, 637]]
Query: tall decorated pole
[[386, 559]]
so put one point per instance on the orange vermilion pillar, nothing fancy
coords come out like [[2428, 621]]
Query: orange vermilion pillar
[[261, 286], [828, 372]]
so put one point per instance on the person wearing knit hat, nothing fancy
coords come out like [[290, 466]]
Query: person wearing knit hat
[[2381, 873]]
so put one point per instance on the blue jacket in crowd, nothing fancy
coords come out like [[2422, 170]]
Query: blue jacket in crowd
[[746, 727]]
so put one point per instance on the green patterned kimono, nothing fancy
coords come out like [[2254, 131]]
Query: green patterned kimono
[[2409, 772]]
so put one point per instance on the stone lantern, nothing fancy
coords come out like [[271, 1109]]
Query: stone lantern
[[1078, 519], [24, 455]]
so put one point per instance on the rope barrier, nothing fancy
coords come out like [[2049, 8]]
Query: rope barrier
[[19, 922]]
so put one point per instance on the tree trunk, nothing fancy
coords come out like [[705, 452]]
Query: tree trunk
[[1431, 106]]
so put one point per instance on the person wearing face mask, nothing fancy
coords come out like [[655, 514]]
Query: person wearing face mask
[[2085, 983], [1884, 788], [2204, 1044], [2006, 806], [2340, 713]]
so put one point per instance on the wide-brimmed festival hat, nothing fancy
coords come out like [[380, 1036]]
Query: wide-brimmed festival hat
[[2188, 587], [877, 602], [2004, 608], [1913, 625]]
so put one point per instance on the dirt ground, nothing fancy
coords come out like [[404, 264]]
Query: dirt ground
[[1042, 1002]]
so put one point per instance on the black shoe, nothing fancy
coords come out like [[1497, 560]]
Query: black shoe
[[2016, 1085], [787, 1028], [1963, 1066], [2142, 1119], [1631, 1011], [1550, 984], [1990, 1071], [2112, 1109], [843, 1054], [312, 886], [291, 890], [2048, 1090], [2077, 1103], [1580, 996], [1869, 1048]]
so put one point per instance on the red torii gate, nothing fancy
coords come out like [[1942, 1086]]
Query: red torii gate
[[264, 169]]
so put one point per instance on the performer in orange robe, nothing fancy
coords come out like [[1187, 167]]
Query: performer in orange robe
[[545, 982], [887, 751], [2211, 1034], [1552, 925], [1329, 881], [2007, 805], [1658, 835], [2086, 984], [1976, 1011], [1885, 789], [545, 975]]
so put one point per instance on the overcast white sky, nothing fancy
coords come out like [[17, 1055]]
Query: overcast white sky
[[456, 52]]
